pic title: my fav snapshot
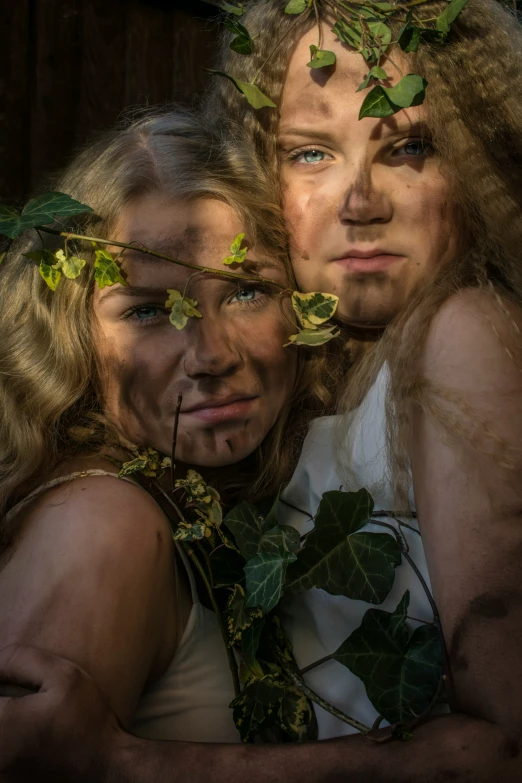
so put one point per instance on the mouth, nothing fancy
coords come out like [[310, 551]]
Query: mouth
[[371, 260], [221, 409]]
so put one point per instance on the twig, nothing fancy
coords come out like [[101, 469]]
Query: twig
[[175, 440], [313, 696], [315, 665]]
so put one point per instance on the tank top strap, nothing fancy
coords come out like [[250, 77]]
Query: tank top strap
[[55, 482]]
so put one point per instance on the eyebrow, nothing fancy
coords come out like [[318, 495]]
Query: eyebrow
[[308, 134], [132, 291]]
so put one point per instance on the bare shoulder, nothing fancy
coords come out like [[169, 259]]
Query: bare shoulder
[[472, 340]]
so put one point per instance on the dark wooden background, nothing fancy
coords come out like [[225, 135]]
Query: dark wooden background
[[69, 67]]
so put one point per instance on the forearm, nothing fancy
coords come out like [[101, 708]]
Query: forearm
[[453, 747]]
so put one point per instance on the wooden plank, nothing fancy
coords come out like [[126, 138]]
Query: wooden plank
[[102, 94], [14, 100], [149, 54], [194, 51], [57, 76]]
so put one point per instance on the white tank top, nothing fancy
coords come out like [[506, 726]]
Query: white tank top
[[317, 623], [191, 700]]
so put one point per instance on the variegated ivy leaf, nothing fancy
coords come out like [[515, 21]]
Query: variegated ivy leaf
[[149, 462], [340, 559], [313, 337], [321, 58], [256, 708], [205, 500], [46, 265], [314, 308], [250, 645], [297, 6], [39, 212], [181, 308], [237, 616], [106, 270], [70, 266], [237, 253], [191, 532], [252, 93], [401, 674], [296, 714]]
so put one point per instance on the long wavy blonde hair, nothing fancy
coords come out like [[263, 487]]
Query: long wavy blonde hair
[[50, 409], [474, 104]]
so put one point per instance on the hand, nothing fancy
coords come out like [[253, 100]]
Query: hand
[[63, 731]]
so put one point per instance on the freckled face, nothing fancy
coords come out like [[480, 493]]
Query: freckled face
[[230, 365], [368, 207]]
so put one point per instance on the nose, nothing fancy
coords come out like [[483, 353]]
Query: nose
[[211, 350], [363, 200]]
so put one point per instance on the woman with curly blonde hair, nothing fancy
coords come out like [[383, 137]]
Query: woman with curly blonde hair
[[414, 221]]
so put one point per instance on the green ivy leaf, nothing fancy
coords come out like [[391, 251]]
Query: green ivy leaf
[[250, 645], [106, 270], [265, 578], [280, 539], [350, 34], [226, 567], [39, 212], [70, 266], [252, 93], [237, 253], [296, 715], [314, 308], [342, 561], [321, 58], [313, 337], [380, 31], [401, 675], [297, 6], [237, 616], [242, 43], [244, 522], [375, 73], [385, 101], [256, 708], [237, 10], [449, 15]]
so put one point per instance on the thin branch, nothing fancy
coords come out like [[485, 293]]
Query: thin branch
[[315, 665], [276, 47], [175, 440]]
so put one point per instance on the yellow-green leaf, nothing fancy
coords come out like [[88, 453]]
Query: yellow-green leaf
[[297, 6], [314, 308], [2, 256], [106, 270], [46, 265], [321, 58], [70, 266], [313, 337], [182, 308], [252, 93], [237, 253]]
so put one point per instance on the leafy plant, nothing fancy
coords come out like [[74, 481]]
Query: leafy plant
[[366, 28]]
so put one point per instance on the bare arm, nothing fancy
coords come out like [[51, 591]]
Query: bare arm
[[90, 578]]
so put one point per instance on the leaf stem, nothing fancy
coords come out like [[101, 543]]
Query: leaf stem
[[315, 664], [146, 251], [313, 696], [230, 653], [175, 440]]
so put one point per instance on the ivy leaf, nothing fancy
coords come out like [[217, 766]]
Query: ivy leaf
[[409, 36], [297, 6], [242, 43], [375, 73], [265, 578], [449, 15], [237, 10], [244, 523], [342, 561], [256, 708], [380, 31], [350, 34], [385, 101], [280, 539], [314, 308], [252, 93], [226, 567], [321, 58], [106, 270], [401, 675], [237, 616], [195, 531], [250, 644], [47, 267], [313, 337], [181, 308], [269, 513], [237, 253], [296, 714], [39, 212], [70, 266]]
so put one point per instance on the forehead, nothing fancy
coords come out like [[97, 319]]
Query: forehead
[[329, 95]]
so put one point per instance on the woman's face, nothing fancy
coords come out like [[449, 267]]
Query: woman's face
[[230, 365], [368, 208]]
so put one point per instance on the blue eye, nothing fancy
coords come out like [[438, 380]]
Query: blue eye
[[417, 147], [245, 294], [145, 312]]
